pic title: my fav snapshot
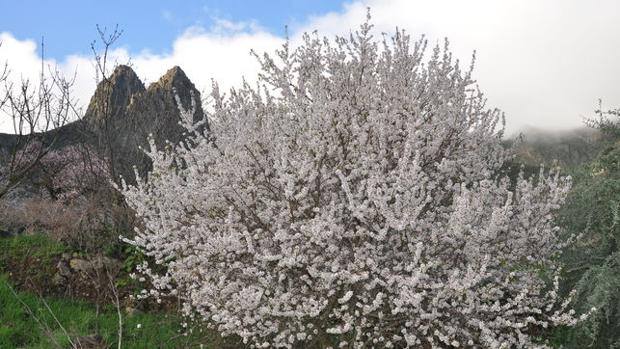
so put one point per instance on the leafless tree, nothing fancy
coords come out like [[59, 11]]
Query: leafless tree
[[105, 127], [34, 108]]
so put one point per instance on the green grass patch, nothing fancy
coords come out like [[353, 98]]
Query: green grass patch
[[30, 260], [26, 322], [38, 246]]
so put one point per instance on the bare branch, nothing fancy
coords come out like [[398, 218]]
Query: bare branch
[[34, 110]]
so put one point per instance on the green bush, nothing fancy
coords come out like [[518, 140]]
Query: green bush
[[593, 263]]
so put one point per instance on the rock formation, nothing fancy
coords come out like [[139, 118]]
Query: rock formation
[[122, 114]]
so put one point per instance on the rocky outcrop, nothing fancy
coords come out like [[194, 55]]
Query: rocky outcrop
[[72, 266], [93, 341], [122, 114], [114, 95]]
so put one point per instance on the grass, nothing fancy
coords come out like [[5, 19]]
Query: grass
[[38, 246], [30, 259], [26, 322]]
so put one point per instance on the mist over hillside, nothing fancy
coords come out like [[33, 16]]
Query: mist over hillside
[[565, 148]]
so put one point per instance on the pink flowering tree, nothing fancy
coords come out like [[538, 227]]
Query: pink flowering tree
[[353, 198], [64, 173], [71, 171]]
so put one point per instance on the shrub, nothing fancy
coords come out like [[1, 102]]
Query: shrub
[[593, 264], [353, 197], [69, 196]]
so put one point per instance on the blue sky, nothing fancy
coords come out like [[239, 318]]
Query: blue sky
[[68, 26], [544, 62]]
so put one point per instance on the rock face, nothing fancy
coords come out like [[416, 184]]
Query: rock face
[[123, 113], [113, 97]]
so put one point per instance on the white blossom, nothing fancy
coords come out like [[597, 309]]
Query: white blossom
[[356, 190]]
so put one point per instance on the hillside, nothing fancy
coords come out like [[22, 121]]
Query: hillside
[[568, 149]]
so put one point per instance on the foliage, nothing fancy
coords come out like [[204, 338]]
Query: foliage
[[593, 264], [354, 195], [65, 173], [71, 199], [606, 121]]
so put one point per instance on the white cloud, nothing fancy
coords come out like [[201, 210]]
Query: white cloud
[[221, 53], [24, 64], [545, 63]]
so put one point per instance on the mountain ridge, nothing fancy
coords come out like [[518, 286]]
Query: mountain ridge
[[122, 114]]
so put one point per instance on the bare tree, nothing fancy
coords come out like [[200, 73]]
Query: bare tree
[[105, 126], [34, 108]]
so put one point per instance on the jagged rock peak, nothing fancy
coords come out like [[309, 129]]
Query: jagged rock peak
[[115, 93], [175, 82], [125, 77], [174, 78], [123, 94]]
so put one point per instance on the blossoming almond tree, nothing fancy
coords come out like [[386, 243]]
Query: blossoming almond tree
[[353, 198], [64, 173], [72, 171]]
